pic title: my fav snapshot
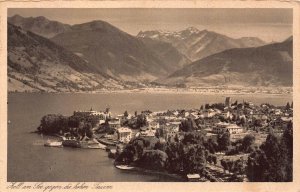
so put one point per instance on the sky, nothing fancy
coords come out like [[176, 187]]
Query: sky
[[268, 24]]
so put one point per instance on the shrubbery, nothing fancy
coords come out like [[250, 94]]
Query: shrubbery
[[76, 125]]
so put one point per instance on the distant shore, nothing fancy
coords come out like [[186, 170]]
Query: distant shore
[[204, 90]]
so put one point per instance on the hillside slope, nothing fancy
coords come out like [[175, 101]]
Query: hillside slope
[[269, 65], [37, 64], [114, 52], [39, 25]]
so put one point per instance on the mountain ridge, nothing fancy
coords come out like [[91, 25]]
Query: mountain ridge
[[114, 51], [196, 44], [39, 25], [268, 65], [110, 57], [37, 64]]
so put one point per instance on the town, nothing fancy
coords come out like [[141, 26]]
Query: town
[[230, 141]]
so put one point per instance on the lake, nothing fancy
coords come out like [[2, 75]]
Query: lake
[[30, 161]]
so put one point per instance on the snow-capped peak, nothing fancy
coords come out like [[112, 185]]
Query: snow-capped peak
[[192, 29]]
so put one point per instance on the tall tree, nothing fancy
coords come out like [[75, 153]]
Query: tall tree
[[288, 106], [126, 114], [224, 141], [187, 125], [248, 142], [194, 159], [273, 161]]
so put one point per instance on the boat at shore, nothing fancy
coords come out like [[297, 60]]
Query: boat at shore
[[84, 144], [125, 167], [53, 144], [106, 142]]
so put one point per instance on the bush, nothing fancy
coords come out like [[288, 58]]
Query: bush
[[154, 159]]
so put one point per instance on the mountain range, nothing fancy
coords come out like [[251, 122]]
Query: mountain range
[[119, 54], [196, 44], [47, 55], [269, 65], [39, 25]]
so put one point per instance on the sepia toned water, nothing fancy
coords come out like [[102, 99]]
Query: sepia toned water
[[30, 161]]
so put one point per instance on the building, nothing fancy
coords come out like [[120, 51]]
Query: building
[[153, 124], [147, 132], [222, 127], [102, 115], [219, 127], [124, 134], [114, 123], [234, 129], [226, 114], [174, 125], [209, 113], [123, 118]]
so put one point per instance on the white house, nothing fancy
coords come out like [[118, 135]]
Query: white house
[[147, 132], [153, 124], [209, 113], [114, 123], [124, 134], [234, 129], [226, 114], [226, 127]]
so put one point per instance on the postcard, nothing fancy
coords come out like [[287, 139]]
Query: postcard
[[149, 95]]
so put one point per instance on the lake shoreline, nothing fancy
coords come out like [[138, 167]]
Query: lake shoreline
[[151, 171], [167, 91]]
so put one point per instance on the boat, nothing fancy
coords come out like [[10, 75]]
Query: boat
[[92, 145], [193, 177], [53, 144], [124, 167], [98, 146], [71, 142], [85, 144], [106, 142]]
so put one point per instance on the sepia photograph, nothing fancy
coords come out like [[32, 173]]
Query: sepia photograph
[[149, 94]]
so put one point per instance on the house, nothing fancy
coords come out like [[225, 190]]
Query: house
[[102, 116], [123, 118], [209, 113], [226, 115], [193, 116], [174, 125], [222, 127], [114, 123], [219, 127], [277, 112], [234, 129], [124, 134], [171, 134], [153, 124], [147, 132]]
